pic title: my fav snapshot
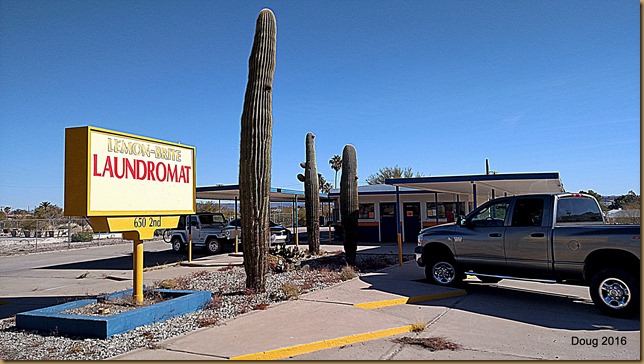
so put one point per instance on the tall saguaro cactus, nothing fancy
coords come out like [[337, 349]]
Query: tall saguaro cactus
[[311, 194], [349, 202], [255, 152]]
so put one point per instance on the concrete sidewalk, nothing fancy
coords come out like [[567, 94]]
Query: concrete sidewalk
[[336, 316]]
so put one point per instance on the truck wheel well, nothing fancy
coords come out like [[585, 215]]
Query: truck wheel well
[[435, 249], [606, 258]]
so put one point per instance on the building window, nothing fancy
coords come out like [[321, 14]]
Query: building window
[[387, 209], [448, 211], [366, 211], [433, 210]]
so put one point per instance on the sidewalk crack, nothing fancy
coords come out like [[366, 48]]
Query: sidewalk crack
[[195, 353], [330, 302]]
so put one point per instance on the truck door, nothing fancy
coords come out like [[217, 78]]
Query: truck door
[[479, 242], [527, 246]]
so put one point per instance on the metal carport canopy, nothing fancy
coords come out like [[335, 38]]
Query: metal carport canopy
[[231, 192], [505, 183]]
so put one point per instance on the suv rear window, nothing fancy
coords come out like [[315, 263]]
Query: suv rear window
[[578, 209], [216, 220]]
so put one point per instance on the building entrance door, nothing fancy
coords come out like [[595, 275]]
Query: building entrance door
[[388, 222], [411, 220]]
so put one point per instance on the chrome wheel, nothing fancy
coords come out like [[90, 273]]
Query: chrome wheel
[[177, 245], [614, 293], [213, 246], [443, 273]]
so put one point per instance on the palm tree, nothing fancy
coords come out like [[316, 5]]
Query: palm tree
[[45, 205], [325, 187], [336, 165], [47, 210]]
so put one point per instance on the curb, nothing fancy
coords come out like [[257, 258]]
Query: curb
[[290, 351], [210, 264], [321, 345], [406, 300]]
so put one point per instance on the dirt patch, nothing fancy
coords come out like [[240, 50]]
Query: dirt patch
[[431, 343], [112, 307]]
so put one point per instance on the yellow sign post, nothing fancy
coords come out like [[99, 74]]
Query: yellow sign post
[[129, 184], [136, 229]]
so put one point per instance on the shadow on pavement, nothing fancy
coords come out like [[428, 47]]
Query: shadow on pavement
[[150, 259], [13, 305], [545, 309], [540, 308]]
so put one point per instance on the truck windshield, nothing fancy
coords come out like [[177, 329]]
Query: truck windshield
[[212, 220], [578, 209]]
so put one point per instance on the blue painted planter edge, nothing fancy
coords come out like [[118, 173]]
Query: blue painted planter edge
[[50, 319]]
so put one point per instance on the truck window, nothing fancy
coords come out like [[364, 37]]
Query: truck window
[[528, 212], [492, 215], [578, 209]]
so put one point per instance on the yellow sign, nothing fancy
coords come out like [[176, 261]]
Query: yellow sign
[[143, 225], [109, 173]]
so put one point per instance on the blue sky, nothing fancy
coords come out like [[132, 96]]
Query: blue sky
[[534, 86]]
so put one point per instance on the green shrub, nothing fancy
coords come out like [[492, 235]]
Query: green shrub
[[83, 236]]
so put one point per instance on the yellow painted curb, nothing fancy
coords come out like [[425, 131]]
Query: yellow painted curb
[[321, 345], [405, 300]]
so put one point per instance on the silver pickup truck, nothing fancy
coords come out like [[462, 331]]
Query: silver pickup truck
[[208, 230], [555, 238]]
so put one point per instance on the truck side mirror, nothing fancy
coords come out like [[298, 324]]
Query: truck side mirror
[[461, 221]]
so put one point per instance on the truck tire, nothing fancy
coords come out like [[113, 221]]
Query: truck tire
[[177, 245], [443, 271], [214, 246], [615, 292]]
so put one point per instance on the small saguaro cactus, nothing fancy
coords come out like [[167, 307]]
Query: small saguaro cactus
[[349, 202], [311, 194], [255, 152]]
